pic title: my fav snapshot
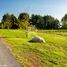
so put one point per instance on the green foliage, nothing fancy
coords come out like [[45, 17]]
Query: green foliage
[[23, 21], [23, 25], [38, 21], [64, 20], [6, 20], [14, 22], [9, 21], [23, 17], [46, 22]]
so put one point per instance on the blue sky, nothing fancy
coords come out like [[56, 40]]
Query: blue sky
[[56, 8]]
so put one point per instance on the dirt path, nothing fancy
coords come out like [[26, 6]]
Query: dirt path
[[6, 58]]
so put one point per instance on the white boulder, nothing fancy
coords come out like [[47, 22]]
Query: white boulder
[[37, 39]]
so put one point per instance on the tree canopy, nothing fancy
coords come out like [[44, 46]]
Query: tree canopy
[[23, 19], [46, 22], [64, 21], [10, 21]]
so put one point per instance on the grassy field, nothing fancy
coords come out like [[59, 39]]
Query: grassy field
[[53, 53]]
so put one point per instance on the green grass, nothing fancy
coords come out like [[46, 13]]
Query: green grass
[[53, 53]]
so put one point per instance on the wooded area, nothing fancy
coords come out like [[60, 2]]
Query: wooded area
[[10, 21]]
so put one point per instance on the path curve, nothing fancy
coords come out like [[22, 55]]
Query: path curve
[[6, 58]]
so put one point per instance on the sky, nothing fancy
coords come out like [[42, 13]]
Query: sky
[[55, 8]]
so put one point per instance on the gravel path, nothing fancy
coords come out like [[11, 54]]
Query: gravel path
[[6, 58]]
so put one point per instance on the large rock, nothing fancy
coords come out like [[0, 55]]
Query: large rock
[[37, 39]]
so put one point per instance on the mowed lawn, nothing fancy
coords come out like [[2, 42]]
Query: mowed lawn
[[53, 53]]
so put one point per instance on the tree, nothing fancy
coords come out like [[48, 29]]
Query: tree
[[51, 23], [14, 22], [6, 21], [9, 21], [38, 21], [56, 24], [64, 21], [23, 17], [46, 22], [23, 20], [1, 25]]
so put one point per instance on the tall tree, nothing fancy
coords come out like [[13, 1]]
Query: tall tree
[[51, 23], [46, 22], [23, 20], [64, 21], [38, 21], [9, 21], [14, 22], [6, 20]]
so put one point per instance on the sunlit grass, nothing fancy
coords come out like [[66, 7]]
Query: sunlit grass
[[53, 53]]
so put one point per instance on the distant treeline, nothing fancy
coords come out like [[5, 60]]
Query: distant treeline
[[9, 21]]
